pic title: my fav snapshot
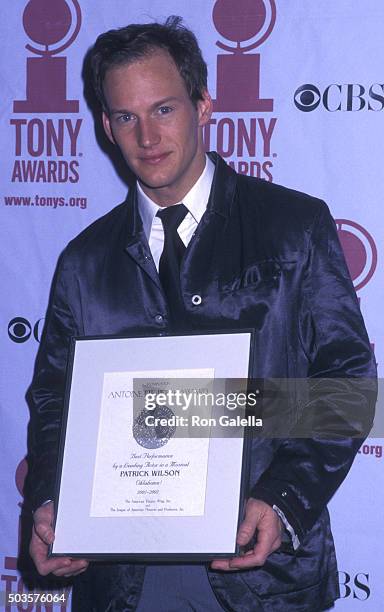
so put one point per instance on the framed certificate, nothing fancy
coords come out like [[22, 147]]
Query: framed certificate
[[153, 455]]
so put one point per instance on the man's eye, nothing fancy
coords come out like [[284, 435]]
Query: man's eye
[[124, 118], [165, 110]]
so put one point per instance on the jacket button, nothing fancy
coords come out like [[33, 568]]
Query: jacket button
[[159, 318], [196, 300], [284, 494]]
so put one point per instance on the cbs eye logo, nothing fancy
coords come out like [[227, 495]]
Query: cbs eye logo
[[307, 97], [20, 330], [349, 97]]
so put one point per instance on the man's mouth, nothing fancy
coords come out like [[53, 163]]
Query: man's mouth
[[153, 160]]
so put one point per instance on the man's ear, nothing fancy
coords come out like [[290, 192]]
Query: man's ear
[[107, 127], [204, 108]]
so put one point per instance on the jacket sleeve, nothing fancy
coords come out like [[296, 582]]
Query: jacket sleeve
[[46, 393], [337, 413]]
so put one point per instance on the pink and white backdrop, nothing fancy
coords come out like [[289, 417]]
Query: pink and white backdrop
[[299, 100]]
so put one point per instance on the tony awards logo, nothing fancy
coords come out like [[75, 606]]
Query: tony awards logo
[[238, 73], [52, 25], [242, 126]]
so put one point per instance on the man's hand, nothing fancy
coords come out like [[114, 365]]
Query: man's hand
[[42, 537], [261, 517]]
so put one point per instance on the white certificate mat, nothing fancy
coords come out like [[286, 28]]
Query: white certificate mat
[[126, 489]]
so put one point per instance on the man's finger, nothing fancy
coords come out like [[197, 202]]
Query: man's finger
[[76, 573], [254, 513], [247, 529], [42, 523], [44, 531], [76, 567], [223, 565], [256, 557]]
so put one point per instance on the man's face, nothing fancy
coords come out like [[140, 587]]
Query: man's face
[[156, 126]]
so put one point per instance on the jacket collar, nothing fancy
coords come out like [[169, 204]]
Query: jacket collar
[[223, 186], [134, 223]]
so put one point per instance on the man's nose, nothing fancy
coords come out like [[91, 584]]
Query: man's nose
[[148, 133]]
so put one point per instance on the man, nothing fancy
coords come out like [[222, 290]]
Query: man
[[256, 255]]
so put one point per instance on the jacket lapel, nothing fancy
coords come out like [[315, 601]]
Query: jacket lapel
[[137, 245], [210, 231]]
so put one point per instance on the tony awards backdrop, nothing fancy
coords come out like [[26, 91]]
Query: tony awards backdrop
[[298, 100]]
